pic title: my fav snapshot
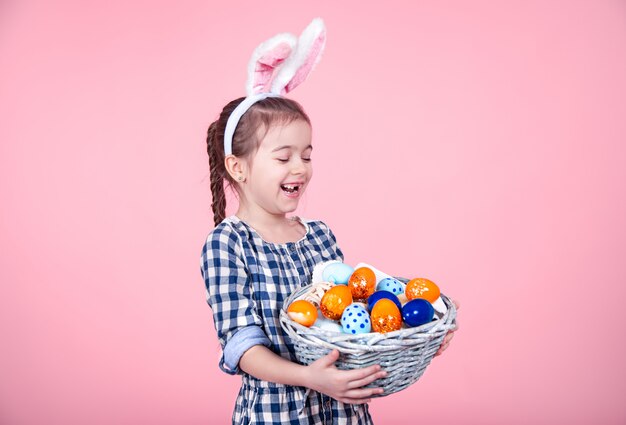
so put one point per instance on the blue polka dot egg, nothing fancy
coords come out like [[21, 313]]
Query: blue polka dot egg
[[392, 285], [356, 320]]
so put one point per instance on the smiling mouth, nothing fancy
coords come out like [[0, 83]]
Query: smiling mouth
[[290, 188]]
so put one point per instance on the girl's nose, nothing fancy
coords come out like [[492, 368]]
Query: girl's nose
[[299, 167]]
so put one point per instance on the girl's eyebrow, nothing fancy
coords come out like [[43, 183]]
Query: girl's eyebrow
[[290, 147]]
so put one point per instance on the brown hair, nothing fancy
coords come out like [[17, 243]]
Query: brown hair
[[247, 138]]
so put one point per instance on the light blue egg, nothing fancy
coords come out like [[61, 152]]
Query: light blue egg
[[356, 320], [392, 285], [337, 273]]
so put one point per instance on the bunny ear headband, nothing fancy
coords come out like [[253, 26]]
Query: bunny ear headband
[[277, 66]]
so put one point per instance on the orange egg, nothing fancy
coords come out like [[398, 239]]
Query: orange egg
[[362, 283], [335, 301], [386, 316], [302, 312], [422, 288]]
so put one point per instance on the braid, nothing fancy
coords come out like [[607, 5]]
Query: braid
[[216, 165]]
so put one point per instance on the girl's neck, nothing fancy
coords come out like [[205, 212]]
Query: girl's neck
[[261, 218], [273, 228]]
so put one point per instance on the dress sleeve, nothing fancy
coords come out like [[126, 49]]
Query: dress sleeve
[[333, 246], [229, 294]]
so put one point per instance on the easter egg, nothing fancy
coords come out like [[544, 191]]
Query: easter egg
[[440, 307], [392, 285], [362, 283], [417, 312], [335, 301], [386, 316], [338, 273], [355, 320], [378, 295], [318, 270], [361, 304], [327, 324], [303, 312], [422, 288]]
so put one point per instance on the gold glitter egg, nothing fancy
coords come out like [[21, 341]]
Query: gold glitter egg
[[335, 301], [422, 288], [386, 316], [362, 283]]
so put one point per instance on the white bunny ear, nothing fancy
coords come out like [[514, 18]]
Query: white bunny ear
[[301, 62], [267, 58]]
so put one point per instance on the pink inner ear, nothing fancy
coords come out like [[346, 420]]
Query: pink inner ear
[[266, 65], [307, 66]]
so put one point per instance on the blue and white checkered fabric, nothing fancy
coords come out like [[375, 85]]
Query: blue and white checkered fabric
[[247, 280]]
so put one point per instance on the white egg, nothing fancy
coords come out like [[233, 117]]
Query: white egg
[[327, 324], [440, 308]]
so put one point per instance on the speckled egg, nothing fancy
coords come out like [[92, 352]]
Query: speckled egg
[[362, 283], [355, 320], [335, 301], [338, 273], [417, 312], [392, 285], [378, 295], [386, 316]]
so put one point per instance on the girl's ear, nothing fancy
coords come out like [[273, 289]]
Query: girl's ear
[[302, 61], [236, 167], [266, 60]]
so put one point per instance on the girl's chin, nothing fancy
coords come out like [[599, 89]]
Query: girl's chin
[[289, 206]]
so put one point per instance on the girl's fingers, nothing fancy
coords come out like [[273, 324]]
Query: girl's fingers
[[367, 380], [448, 337], [445, 344], [357, 374], [362, 393], [354, 400], [329, 358], [442, 349]]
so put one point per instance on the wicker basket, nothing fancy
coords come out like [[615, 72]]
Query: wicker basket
[[404, 353]]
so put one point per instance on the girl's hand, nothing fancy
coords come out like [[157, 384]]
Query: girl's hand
[[343, 385], [449, 335]]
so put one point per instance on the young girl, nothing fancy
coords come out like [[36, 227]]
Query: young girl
[[253, 260]]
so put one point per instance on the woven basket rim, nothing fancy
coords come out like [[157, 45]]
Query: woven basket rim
[[367, 342]]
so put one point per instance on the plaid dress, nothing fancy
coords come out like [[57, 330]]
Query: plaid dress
[[247, 280]]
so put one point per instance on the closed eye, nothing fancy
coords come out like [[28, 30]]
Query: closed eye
[[287, 160]]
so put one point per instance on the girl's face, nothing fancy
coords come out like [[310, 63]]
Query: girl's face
[[281, 169]]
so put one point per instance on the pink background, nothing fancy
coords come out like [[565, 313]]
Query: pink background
[[487, 139]]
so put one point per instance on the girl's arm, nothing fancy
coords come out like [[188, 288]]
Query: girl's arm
[[321, 375]]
